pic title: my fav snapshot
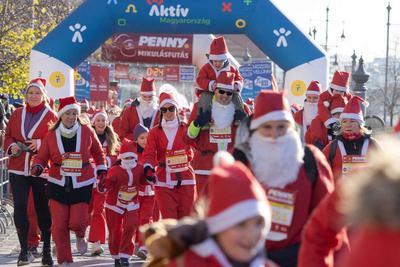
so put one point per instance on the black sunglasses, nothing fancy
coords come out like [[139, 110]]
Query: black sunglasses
[[170, 109], [224, 92]]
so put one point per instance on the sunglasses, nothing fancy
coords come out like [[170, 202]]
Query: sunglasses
[[170, 109], [221, 92]]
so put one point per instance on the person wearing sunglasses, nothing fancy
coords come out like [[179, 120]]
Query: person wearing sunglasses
[[213, 131], [167, 158]]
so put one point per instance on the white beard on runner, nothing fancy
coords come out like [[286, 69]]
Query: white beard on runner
[[310, 112], [276, 163], [147, 109], [222, 115]]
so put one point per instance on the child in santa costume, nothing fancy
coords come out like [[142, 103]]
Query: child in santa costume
[[338, 86], [349, 150], [304, 116], [317, 134], [143, 111], [122, 203], [295, 178], [233, 232], [210, 132], [175, 189], [25, 135], [208, 74], [116, 123], [110, 145], [69, 146]]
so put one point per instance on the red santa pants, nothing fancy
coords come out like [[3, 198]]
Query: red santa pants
[[177, 202], [34, 231], [145, 214], [65, 218], [156, 212], [122, 229], [202, 184], [97, 230]]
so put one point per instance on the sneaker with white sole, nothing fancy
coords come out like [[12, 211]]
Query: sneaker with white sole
[[25, 258], [97, 249], [142, 253], [81, 245]]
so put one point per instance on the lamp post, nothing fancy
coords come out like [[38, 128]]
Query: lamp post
[[360, 77], [326, 34], [388, 8]]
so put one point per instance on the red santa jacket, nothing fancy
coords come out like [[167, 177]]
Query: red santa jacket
[[130, 118], [204, 148], [295, 202], [145, 190], [15, 133], [317, 134], [155, 155], [208, 75], [209, 254], [123, 188], [298, 117], [116, 124], [324, 102], [337, 162], [87, 145]]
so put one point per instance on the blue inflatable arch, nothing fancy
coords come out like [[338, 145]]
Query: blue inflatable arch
[[91, 24]]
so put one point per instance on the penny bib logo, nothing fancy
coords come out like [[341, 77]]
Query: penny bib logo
[[159, 41], [162, 11]]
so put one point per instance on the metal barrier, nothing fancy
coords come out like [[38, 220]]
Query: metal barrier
[[6, 205]]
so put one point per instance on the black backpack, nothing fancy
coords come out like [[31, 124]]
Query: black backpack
[[310, 166]]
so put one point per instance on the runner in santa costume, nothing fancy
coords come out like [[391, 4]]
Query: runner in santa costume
[[349, 150], [304, 116], [214, 131], [250, 103], [116, 123], [69, 146], [143, 111], [175, 189], [338, 86], [86, 113], [207, 78], [295, 179], [110, 145], [122, 203], [24, 136], [317, 134]]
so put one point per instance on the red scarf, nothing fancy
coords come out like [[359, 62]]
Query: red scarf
[[351, 136], [36, 109]]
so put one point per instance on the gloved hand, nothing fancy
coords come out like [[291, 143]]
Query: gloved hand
[[149, 173], [202, 118], [101, 181], [36, 170], [335, 127]]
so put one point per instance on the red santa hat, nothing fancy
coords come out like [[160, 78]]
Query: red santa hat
[[66, 104], [314, 88], [270, 106], [99, 112], [353, 109], [250, 101], [85, 102], [340, 81], [226, 81], [234, 196], [148, 87], [218, 49], [166, 98], [128, 149], [337, 104], [39, 83], [295, 107]]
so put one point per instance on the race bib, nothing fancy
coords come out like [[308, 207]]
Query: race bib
[[125, 196], [177, 160], [351, 163], [282, 204], [71, 164], [220, 135]]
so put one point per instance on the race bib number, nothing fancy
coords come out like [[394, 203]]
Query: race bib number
[[125, 196], [282, 205], [177, 160], [220, 135], [352, 163], [71, 164]]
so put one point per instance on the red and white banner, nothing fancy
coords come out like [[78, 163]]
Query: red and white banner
[[171, 74], [99, 82], [150, 48], [121, 71]]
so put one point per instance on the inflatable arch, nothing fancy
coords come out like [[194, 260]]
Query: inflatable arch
[[91, 24]]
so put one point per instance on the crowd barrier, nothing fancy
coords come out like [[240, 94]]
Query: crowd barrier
[[6, 205]]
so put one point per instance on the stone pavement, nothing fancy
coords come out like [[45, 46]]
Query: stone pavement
[[9, 249]]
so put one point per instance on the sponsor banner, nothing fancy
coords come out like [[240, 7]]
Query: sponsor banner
[[149, 48], [187, 74], [171, 74], [257, 76], [121, 71], [99, 83], [82, 82]]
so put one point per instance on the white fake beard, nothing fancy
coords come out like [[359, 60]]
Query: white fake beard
[[128, 164], [147, 109], [222, 115], [276, 163], [310, 112]]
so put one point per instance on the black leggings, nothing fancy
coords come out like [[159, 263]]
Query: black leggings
[[20, 186]]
